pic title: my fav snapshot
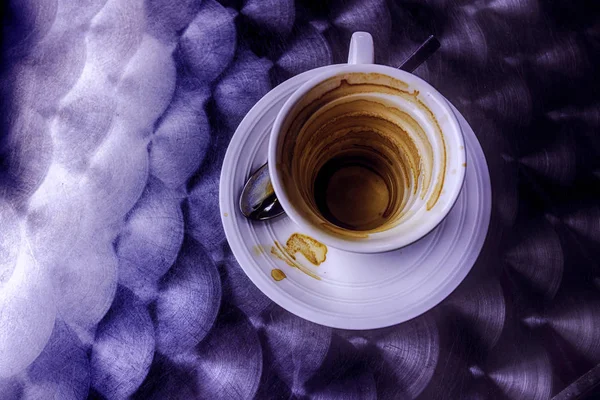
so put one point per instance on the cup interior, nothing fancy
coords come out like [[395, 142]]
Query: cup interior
[[360, 156]]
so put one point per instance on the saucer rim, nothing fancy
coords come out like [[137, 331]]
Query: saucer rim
[[309, 311]]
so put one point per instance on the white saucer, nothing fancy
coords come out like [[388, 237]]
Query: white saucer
[[356, 291]]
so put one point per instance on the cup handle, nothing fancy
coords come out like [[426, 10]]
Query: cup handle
[[361, 49]]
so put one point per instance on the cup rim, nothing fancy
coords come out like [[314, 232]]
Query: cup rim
[[364, 245]]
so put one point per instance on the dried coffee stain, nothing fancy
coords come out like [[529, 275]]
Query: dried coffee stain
[[258, 250], [278, 274], [314, 251], [281, 252]]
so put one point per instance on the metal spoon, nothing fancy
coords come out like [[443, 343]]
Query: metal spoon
[[258, 200]]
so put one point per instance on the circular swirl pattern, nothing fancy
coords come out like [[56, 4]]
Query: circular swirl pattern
[[150, 240], [188, 300], [123, 348]]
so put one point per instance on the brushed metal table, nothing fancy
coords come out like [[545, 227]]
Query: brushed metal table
[[115, 276]]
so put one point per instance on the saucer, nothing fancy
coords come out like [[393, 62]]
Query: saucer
[[349, 290]]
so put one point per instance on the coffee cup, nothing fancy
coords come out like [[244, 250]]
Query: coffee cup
[[366, 158]]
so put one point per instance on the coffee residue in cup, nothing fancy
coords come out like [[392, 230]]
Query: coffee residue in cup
[[355, 162], [352, 194], [314, 251]]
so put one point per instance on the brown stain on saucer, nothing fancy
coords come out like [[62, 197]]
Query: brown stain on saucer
[[278, 274], [225, 215], [258, 250], [314, 251], [464, 164]]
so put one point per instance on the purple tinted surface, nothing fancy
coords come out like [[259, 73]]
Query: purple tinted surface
[[115, 276]]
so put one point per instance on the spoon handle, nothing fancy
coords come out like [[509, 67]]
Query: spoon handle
[[421, 54]]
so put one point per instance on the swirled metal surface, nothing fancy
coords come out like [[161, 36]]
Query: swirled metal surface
[[116, 279]]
